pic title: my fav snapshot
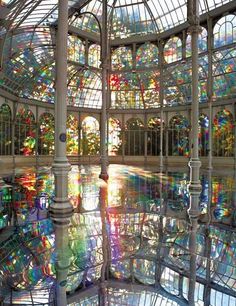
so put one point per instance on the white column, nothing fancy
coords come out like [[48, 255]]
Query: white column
[[194, 163], [61, 209], [103, 123]]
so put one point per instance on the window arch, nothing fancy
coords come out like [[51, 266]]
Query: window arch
[[94, 56], [223, 136], [72, 126], [173, 50], [179, 136], [114, 137], [134, 137], [225, 31], [202, 42], [121, 58], [5, 130], [203, 135], [76, 49], [153, 136], [90, 137], [46, 134], [25, 132], [147, 55]]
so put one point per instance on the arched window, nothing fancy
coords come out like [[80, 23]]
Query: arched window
[[5, 130], [121, 58], [153, 136], [225, 31], [173, 50], [202, 42], [134, 137], [114, 137], [90, 140], [178, 136], [147, 55], [72, 126], [76, 49], [203, 135], [46, 134], [25, 132], [223, 136], [94, 55]]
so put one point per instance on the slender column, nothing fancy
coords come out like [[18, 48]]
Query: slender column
[[61, 210], [209, 89], [103, 124], [161, 98], [194, 163]]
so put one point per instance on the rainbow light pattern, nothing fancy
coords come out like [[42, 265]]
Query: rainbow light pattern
[[90, 140], [225, 31], [173, 50], [121, 58], [202, 42], [223, 136], [94, 56], [76, 49], [72, 129], [46, 134], [203, 134], [114, 137], [5, 130], [132, 227], [25, 132], [179, 136], [147, 55]]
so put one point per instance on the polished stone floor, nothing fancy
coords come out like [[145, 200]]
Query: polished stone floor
[[147, 235]]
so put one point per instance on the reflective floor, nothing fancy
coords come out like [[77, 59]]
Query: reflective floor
[[142, 219]]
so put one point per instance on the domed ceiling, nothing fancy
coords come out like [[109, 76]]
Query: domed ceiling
[[27, 37]]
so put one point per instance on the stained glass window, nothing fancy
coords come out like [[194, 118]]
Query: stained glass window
[[134, 137], [173, 50], [225, 31], [147, 55], [202, 42], [90, 140], [224, 72], [76, 49], [5, 130], [72, 127], [94, 56], [153, 136], [223, 136], [85, 89], [25, 132], [114, 137], [46, 134], [121, 58], [179, 136], [203, 135]]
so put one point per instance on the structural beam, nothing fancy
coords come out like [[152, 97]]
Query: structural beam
[[61, 209]]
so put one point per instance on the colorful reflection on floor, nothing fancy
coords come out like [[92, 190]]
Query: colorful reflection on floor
[[147, 228]]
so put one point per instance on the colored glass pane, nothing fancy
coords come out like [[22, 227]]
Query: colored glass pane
[[76, 49], [5, 130], [173, 50], [90, 140], [223, 136], [178, 136], [147, 55], [114, 137], [121, 58], [46, 134], [25, 132], [72, 135], [225, 31], [203, 134], [94, 56]]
